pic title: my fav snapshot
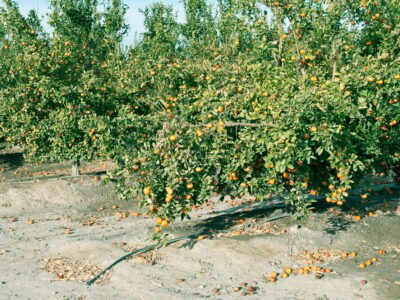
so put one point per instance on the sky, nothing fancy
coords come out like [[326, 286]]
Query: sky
[[133, 16]]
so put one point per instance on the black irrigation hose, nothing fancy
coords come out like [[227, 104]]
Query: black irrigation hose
[[154, 246], [43, 179]]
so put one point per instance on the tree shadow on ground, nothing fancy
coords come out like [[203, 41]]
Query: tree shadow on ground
[[225, 219], [340, 219], [11, 161], [383, 201]]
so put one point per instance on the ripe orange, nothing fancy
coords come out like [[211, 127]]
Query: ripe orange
[[357, 218], [368, 263], [288, 270], [271, 181], [361, 266], [314, 79], [285, 275], [173, 138], [164, 223], [373, 259], [198, 169], [314, 129], [147, 191]]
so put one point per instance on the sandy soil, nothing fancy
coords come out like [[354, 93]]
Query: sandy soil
[[73, 223]]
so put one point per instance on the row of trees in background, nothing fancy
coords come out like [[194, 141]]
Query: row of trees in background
[[295, 97]]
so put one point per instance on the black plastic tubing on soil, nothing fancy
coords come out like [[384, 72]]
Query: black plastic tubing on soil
[[171, 241]]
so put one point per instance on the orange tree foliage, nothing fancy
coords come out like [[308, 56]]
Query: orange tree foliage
[[295, 98]]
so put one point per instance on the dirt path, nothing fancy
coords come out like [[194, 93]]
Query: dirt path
[[57, 233]]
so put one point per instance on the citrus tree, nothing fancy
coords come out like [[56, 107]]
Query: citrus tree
[[59, 94], [296, 98]]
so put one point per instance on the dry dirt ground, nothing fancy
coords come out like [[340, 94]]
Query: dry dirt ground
[[54, 235]]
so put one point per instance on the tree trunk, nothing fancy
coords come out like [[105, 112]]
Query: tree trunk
[[75, 168]]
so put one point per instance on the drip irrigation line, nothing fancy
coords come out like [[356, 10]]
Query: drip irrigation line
[[42, 179], [171, 241]]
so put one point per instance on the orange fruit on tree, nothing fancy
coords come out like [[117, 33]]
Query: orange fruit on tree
[[147, 191]]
